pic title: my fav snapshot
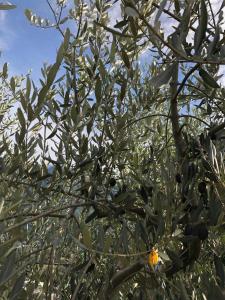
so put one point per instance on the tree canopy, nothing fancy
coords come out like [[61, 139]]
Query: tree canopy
[[118, 150]]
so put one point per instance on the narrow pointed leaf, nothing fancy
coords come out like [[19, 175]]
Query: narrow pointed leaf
[[201, 30], [21, 118], [17, 288], [86, 236], [8, 268], [98, 90], [159, 12], [130, 11], [125, 59], [208, 79], [219, 271], [162, 78]]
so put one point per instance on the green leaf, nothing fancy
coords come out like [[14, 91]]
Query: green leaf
[[159, 12], [21, 118], [28, 87], [176, 42], [121, 24], [22, 134], [175, 258], [84, 29], [28, 14], [123, 90], [53, 133], [214, 292], [114, 32], [185, 20], [215, 209], [125, 59], [98, 90], [219, 271], [14, 167], [162, 78], [8, 268], [201, 30], [124, 238], [183, 291], [133, 26], [108, 132], [13, 84], [52, 72], [41, 99], [130, 11], [213, 45], [5, 70], [66, 39], [107, 244], [74, 114], [64, 20], [86, 236], [100, 238], [113, 50], [7, 6], [17, 288], [208, 79], [177, 6], [30, 112]]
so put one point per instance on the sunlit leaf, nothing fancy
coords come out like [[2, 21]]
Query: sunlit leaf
[[86, 236], [130, 11]]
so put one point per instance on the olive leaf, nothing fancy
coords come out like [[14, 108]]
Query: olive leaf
[[162, 78], [201, 30], [208, 79]]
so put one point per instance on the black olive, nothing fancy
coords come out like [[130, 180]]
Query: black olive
[[143, 194], [202, 232], [91, 268], [150, 190], [199, 230], [188, 207], [112, 181], [202, 187], [98, 169], [178, 178], [213, 136], [188, 230]]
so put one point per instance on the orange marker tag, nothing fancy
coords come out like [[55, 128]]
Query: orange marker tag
[[153, 257]]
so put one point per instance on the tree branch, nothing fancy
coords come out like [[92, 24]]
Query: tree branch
[[44, 214], [179, 143], [123, 275]]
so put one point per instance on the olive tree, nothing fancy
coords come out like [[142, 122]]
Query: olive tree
[[118, 149]]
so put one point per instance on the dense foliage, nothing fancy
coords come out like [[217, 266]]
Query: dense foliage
[[118, 148]]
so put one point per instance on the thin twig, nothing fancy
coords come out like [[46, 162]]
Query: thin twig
[[44, 214], [81, 278]]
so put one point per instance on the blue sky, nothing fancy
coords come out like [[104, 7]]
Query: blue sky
[[25, 46]]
